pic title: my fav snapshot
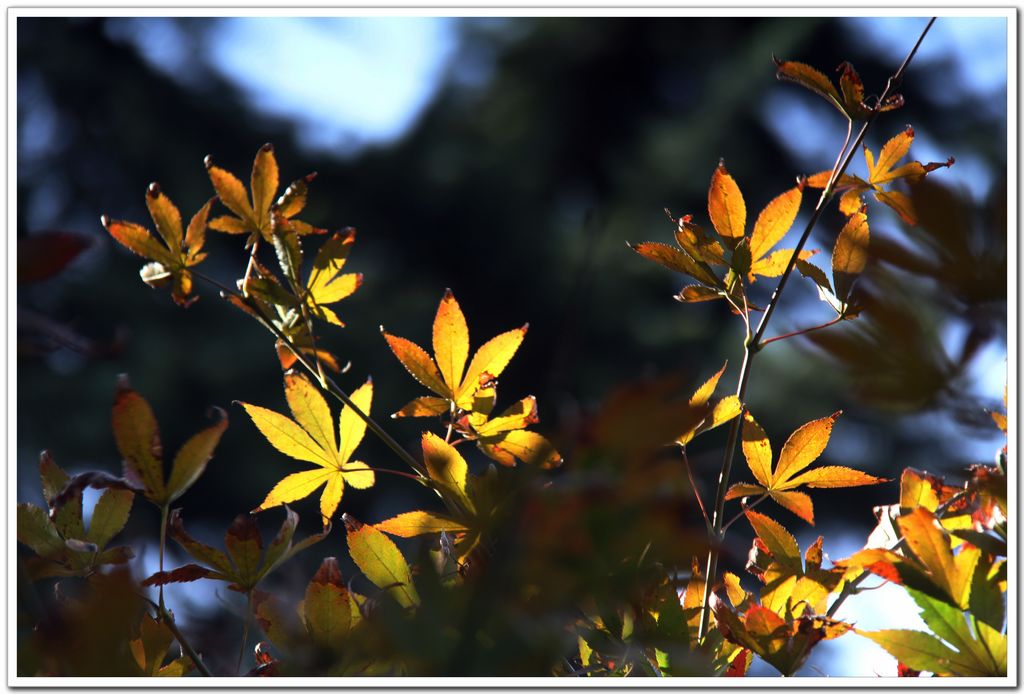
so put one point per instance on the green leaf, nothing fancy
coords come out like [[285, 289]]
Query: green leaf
[[986, 599], [37, 532], [380, 561], [109, 516], [922, 651]]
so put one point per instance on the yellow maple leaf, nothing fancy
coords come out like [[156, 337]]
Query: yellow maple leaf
[[801, 449], [310, 437], [447, 374]]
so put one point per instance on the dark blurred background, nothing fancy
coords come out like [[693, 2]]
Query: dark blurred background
[[510, 160]]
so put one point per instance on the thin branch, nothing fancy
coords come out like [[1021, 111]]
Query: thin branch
[[795, 333], [753, 344], [696, 490], [743, 512], [166, 617]]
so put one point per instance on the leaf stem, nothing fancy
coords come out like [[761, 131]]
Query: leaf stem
[[696, 490], [753, 344], [326, 383], [245, 631], [743, 511], [804, 331], [163, 544]]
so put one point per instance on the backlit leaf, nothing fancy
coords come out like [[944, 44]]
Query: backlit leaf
[[451, 341], [310, 410], [287, 436], [796, 502], [803, 447], [352, 427], [326, 608], [932, 547], [414, 523], [726, 208], [757, 450], [109, 516], [165, 216], [138, 439], [774, 221], [677, 261], [427, 406], [850, 256], [810, 78], [264, 182], [834, 476], [418, 363], [922, 651], [245, 546], [490, 360], [779, 542], [445, 464], [380, 561], [191, 459]]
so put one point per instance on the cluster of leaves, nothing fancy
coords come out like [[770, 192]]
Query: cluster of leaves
[[744, 257], [587, 572]]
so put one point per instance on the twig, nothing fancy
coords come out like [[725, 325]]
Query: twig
[[753, 344], [168, 619], [746, 507], [696, 490], [795, 333]]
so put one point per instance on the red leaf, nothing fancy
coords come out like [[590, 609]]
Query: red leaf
[[44, 254]]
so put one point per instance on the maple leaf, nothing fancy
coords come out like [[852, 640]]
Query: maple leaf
[[246, 563], [326, 283], [504, 438], [58, 535], [309, 436], [179, 252], [849, 98], [255, 216], [446, 374], [748, 256], [849, 258], [707, 415], [881, 173], [801, 449], [138, 441]]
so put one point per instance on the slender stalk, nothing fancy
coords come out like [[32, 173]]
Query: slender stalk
[[327, 384], [245, 631], [753, 343], [163, 544], [804, 331], [746, 508], [696, 490], [166, 618], [249, 266]]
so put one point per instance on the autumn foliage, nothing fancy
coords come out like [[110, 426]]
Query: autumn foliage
[[525, 560]]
